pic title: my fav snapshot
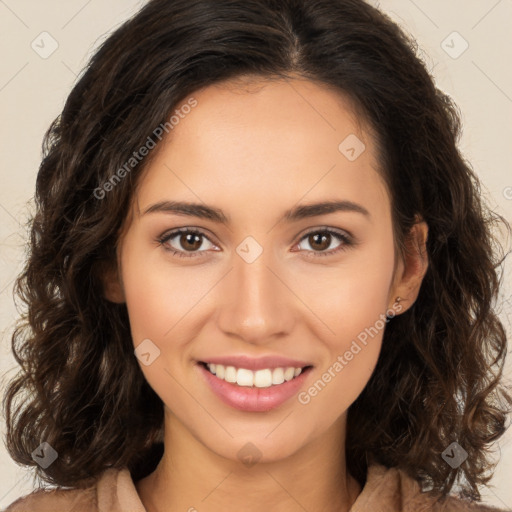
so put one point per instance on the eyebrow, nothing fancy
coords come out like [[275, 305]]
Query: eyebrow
[[297, 213]]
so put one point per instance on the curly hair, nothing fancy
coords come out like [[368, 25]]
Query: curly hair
[[439, 374]]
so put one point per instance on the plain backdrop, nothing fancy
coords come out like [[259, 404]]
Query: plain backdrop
[[466, 44]]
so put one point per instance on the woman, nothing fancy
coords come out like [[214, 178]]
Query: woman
[[261, 274]]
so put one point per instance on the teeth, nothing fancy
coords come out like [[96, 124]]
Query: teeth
[[230, 375], [260, 378], [220, 371], [278, 376]]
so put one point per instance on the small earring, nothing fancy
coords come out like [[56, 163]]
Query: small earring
[[398, 299]]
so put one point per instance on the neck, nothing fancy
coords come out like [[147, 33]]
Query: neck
[[191, 477]]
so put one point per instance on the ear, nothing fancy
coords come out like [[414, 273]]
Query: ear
[[112, 283], [412, 267]]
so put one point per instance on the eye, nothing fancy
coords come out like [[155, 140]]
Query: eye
[[190, 241], [321, 239]]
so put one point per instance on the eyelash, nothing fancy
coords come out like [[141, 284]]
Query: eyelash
[[346, 239]]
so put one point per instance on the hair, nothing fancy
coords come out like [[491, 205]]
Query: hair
[[439, 374]]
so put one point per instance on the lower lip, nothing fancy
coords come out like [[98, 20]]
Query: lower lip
[[253, 399]]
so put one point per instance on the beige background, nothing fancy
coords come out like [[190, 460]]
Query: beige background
[[33, 90]]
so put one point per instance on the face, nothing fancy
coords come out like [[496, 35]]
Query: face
[[255, 271]]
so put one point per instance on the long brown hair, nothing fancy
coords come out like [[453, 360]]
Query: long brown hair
[[438, 377]]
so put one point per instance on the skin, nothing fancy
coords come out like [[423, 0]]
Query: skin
[[254, 150]]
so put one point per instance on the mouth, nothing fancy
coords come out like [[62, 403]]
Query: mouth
[[253, 391], [263, 378]]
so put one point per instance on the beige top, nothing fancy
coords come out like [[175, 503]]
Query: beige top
[[386, 490]]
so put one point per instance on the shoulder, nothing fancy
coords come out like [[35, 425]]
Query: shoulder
[[44, 500], [113, 487], [397, 491]]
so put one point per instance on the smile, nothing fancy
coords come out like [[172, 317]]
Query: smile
[[264, 378], [253, 391]]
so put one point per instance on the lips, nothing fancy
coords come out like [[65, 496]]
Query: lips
[[254, 399]]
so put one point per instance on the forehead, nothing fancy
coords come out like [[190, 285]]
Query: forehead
[[253, 144]]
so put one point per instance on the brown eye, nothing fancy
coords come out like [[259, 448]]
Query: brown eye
[[190, 241], [183, 241], [321, 240]]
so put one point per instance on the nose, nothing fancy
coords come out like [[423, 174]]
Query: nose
[[257, 306]]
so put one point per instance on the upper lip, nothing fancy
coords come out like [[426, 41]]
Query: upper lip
[[260, 363]]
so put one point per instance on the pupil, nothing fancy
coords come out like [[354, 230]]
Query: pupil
[[323, 237], [193, 245]]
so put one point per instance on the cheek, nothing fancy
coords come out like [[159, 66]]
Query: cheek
[[158, 293], [354, 310], [158, 298], [339, 383], [353, 295], [352, 354], [147, 302]]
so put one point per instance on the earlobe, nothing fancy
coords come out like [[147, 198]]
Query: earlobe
[[413, 266], [112, 283], [114, 293]]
